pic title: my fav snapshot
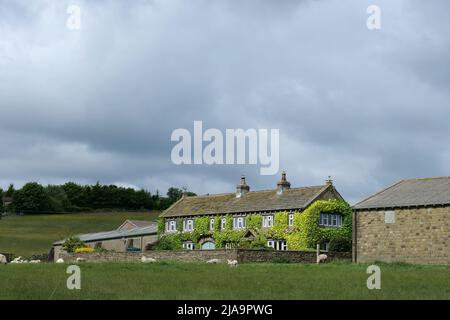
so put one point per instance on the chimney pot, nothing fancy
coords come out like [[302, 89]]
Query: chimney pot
[[283, 184], [242, 188]]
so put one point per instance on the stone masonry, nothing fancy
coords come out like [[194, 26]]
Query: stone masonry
[[241, 255], [418, 235]]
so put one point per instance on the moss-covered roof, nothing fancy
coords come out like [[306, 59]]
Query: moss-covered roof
[[253, 201]]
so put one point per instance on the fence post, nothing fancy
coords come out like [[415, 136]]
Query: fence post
[[317, 252]]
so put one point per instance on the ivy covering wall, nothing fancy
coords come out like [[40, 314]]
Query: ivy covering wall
[[304, 234]]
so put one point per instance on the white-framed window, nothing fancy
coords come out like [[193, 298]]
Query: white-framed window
[[238, 223], [188, 225], [267, 221], [211, 224], [171, 226], [279, 245], [230, 245], [188, 245], [290, 219], [330, 220], [223, 223]]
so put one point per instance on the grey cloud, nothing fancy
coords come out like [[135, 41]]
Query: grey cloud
[[367, 107]]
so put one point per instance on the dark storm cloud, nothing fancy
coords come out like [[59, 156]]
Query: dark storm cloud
[[367, 107]]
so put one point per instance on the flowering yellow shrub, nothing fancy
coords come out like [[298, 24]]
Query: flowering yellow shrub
[[84, 250]]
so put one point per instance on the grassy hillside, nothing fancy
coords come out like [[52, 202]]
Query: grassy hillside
[[172, 280], [27, 235]]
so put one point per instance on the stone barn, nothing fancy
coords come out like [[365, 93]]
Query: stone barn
[[406, 222], [132, 235]]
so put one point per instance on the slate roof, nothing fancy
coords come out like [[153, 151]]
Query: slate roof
[[253, 201], [409, 193], [116, 234]]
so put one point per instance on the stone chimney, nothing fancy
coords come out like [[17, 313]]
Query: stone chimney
[[242, 188], [329, 181], [283, 184]]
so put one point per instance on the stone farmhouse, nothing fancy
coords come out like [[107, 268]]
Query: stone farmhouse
[[242, 203], [132, 235], [406, 222]]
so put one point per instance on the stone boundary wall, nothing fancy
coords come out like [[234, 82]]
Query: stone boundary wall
[[241, 255]]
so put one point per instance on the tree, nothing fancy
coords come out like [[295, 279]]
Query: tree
[[57, 197], [174, 194], [10, 192], [32, 197]]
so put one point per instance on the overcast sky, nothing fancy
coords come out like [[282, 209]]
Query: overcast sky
[[367, 107]]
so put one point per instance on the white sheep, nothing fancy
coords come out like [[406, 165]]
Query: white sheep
[[322, 258], [213, 261], [3, 259], [60, 260], [19, 260], [232, 263], [147, 260]]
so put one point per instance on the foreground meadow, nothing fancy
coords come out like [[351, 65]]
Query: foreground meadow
[[172, 280], [34, 234]]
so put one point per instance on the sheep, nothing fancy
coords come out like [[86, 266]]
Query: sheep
[[232, 263], [3, 259], [322, 258], [213, 261], [144, 259], [19, 260], [81, 259], [60, 260]]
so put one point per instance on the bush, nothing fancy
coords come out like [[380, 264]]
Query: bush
[[340, 245], [169, 242], [73, 243], [84, 250]]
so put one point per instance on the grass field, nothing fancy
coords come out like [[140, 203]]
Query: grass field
[[171, 280], [34, 234]]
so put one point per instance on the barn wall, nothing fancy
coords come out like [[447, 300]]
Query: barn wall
[[418, 235]]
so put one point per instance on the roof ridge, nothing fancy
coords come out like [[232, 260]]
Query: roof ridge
[[428, 178], [254, 191]]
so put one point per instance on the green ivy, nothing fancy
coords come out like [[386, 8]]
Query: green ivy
[[307, 232], [161, 226], [304, 234], [253, 221]]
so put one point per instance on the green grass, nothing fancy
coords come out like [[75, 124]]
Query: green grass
[[172, 280], [34, 234]]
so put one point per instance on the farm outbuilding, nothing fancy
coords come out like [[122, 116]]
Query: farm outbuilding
[[132, 235], [406, 222]]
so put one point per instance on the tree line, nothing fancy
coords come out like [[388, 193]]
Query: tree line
[[72, 197]]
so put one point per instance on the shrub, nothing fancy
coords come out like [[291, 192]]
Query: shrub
[[73, 243], [84, 250], [340, 245], [170, 242]]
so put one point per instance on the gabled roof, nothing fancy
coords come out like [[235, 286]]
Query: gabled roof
[[409, 193], [253, 201], [136, 223], [116, 234]]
